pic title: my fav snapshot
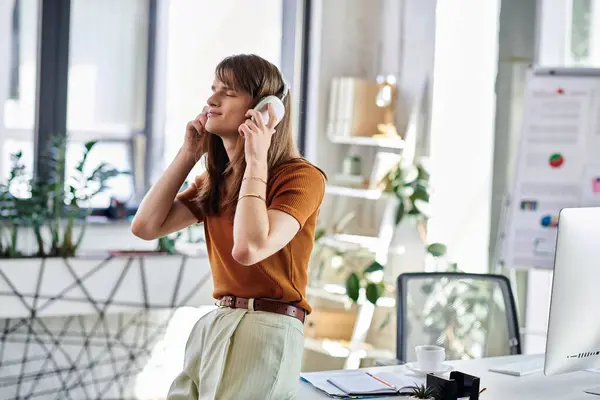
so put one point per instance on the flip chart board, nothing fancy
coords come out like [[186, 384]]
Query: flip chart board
[[558, 163]]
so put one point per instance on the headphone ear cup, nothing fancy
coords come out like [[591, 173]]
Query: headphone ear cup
[[278, 108]]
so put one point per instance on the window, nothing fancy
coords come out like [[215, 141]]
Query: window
[[115, 153], [200, 34], [10, 147], [108, 59], [579, 43], [18, 69], [107, 68], [569, 33]]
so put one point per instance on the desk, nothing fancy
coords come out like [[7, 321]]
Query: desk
[[500, 386]]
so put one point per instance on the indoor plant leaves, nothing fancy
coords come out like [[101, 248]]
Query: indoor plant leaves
[[353, 286]]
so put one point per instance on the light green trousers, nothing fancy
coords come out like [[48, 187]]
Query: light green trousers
[[241, 354]]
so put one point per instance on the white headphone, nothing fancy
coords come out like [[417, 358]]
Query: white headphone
[[277, 103]]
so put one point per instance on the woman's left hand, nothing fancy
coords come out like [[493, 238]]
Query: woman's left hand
[[258, 135]]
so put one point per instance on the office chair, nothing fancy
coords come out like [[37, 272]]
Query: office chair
[[470, 315]]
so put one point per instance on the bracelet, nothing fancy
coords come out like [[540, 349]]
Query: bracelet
[[255, 178], [258, 196]]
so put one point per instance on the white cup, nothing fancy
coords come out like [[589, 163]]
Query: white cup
[[430, 358]]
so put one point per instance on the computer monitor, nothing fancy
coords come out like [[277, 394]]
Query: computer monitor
[[573, 337]]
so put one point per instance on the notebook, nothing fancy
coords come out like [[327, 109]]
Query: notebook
[[322, 381], [362, 384]]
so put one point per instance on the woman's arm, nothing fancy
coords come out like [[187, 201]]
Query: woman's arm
[[259, 232], [254, 238], [160, 213]]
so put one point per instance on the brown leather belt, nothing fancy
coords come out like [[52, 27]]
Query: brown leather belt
[[264, 305]]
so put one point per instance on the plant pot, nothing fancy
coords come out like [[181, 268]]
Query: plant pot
[[408, 250]]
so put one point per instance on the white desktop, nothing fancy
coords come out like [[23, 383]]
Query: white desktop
[[573, 338]]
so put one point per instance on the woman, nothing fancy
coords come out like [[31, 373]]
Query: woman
[[259, 202]]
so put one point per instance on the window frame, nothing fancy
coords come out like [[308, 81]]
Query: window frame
[[15, 52]]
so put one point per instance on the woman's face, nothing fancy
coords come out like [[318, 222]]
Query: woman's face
[[227, 109]]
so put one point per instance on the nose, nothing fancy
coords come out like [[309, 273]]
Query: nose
[[212, 101]]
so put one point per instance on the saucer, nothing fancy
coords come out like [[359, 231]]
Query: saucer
[[414, 367]]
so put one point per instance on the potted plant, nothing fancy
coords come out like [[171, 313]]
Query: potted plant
[[330, 255], [422, 392], [373, 283], [410, 185], [56, 211]]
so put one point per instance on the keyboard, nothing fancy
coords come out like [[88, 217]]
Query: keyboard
[[521, 368]]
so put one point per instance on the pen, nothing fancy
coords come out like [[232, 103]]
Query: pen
[[482, 390], [381, 380]]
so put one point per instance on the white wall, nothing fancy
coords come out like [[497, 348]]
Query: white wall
[[462, 131]]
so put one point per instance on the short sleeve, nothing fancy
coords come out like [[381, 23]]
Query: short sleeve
[[189, 195], [298, 190]]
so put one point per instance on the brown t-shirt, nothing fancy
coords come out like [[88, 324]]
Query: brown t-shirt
[[296, 188]]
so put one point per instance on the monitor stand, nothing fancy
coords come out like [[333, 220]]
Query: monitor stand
[[595, 391]]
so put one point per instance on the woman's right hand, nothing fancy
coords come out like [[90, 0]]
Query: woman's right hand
[[195, 134]]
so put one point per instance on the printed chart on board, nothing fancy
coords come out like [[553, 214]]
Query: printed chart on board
[[558, 163]]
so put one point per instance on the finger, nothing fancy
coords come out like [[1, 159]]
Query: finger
[[203, 116], [246, 131], [272, 116], [252, 125], [257, 118], [197, 126], [203, 113]]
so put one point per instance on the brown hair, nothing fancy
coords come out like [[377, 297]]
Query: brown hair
[[259, 78]]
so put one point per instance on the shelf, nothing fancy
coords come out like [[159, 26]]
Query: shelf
[[341, 349], [368, 242], [337, 293], [368, 141], [369, 194]]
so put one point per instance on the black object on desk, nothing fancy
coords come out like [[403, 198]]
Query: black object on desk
[[458, 386]]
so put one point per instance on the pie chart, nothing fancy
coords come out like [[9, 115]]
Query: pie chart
[[549, 221], [556, 160]]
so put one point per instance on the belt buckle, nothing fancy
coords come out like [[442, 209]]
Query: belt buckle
[[228, 302]]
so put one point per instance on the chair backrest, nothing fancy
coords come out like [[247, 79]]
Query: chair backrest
[[470, 315]]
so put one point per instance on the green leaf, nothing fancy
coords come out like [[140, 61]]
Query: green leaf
[[374, 267], [421, 192], [374, 291], [423, 207], [410, 174], [89, 145], [405, 191], [437, 249], [400, 211], [353, 286]]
